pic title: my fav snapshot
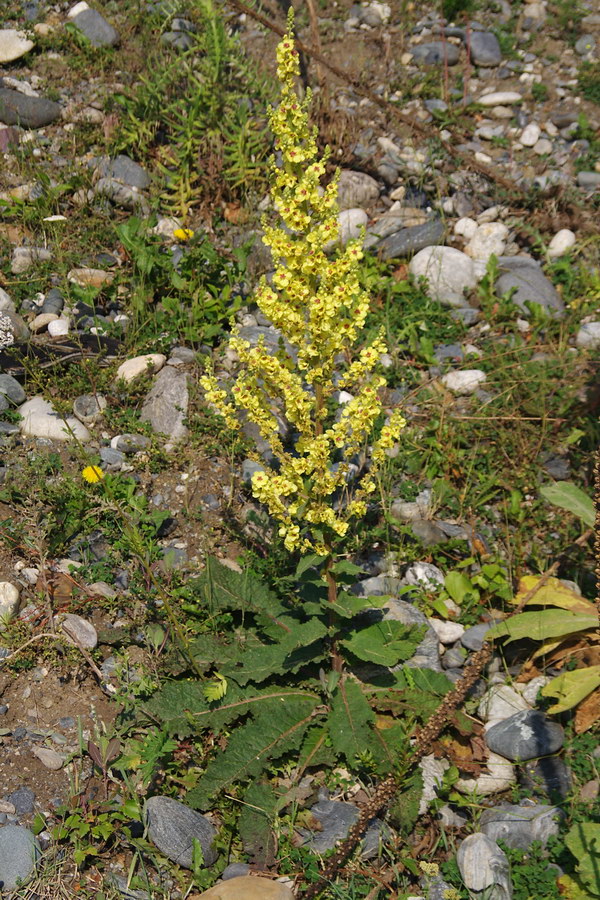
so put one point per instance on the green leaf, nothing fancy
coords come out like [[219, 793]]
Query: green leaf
[[316, 750], [350, 721], [349, 605], [216, 689], [276, 726], [255, 824], [570, 497], [583, 840], [313, 561], [542, 624], [384, 643], [571, 688], [301, 644], [221, 588], [404, 810], [459, 586]]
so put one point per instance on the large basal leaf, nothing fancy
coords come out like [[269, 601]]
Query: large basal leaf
[[385, 643], [255, 824], [552, 593], [583, 840], [568, 496], [316, 750], [276, 726], [350, 721], [539, 626], [571, 688], [301, 643], [219, 587]]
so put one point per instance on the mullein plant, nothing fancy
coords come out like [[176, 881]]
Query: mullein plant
[[316, 301]]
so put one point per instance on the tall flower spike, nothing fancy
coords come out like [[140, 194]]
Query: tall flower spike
[[315, 301]]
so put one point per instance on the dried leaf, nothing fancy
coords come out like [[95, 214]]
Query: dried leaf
[[553, 593], [588, 712]]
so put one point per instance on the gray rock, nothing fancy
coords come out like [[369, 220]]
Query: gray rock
[[166, 406], [521, 824], [130, 443], [235, 870], [356, 189], [564, 116], [588, 336], [427, 655], [585, 45], [23, 258], [110, 458], [425, 575], [122, 195], [96, 29], [435, 888], [29, 112], [10, 388], [13, 45], [548, 777], [526, 735], [377, 586], [448, 271], [22, 799], [89, 408], [454, 658], [53, 302], [428, 532], [173, 826], [125, 170], [473, 638], [485, 49], [409, 240], [19, 852], [336, 818], [249, 467], [530, 284], [78, 630], [180, 40], [185, 354], [484, 867], [588, 180], [435, 53]]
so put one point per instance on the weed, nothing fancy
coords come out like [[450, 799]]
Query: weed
[[539, 92], [588, 81]]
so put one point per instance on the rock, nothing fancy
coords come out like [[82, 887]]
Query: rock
[[126, 171], [39, 419], [530, 134], [166, 406], [9, 603], [95, 28], [587, 180], [436, 53], [355, 189], [454, 658], [6, 304], [499, 777], [561, 243], [410, 511], [490, 238], [89, 408], [588, 336], [500, 702], [447, 632], [525, 735], [427, 655], [543, 147], [530, 284], [429, 533], [42, 321], [485, 49], [248, 887], [23, 258], [409, 240], [173, 826], [352, 223], [235, 870], [464, 381], [473, 638], [425, 575], [335, 818], [122, 195], [88, 277], [432, 773], [466, 227], [80, 632], [130, 443], [249, 467], [500, 98], [13, 45], [28, 112], [11, 388], [48, 758], [22, 799], [585, 45], [59, 327], [483, 866], [549, 777], [519, 825], [140, 365], [448, 272], [19, 853]]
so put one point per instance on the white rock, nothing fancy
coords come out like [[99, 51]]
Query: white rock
[[78, 630], [448, 272], [139, 365], [48, 758], [30, 574], [499, 777], [530, 134], [9, 602], [490, 238], [543, 147], [500, 702], [588, 336], [39, 419], [42, 321], [447, 632], [562, 241], [466, 227], [425, 575], [483, 867], [13, 44], [6, 304], [165, 226], [500, 98], [529, 691], [351, 222], [75, 10], [432, 771], [58, 327], [464, 381]]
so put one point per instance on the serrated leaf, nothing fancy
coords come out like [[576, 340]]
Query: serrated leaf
[[404, 810], [570, 688], [570, 497], [255, 824], [552, 593], [350, 721], [215, 689], [276, 726], [541, 625], [583, 840], [385, 643], [221, 588], [298, 646], [349, 605], [313, 561], [315, 750]]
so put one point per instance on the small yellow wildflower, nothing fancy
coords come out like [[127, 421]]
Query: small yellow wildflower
[[92, 474], [183, 234]]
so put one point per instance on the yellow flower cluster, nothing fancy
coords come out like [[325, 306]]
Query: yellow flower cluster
[[316, 302]]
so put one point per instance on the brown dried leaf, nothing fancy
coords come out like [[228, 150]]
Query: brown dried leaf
[[588, 712]]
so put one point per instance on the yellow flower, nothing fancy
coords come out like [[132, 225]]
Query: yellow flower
[[92, 474], [183, 234]]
